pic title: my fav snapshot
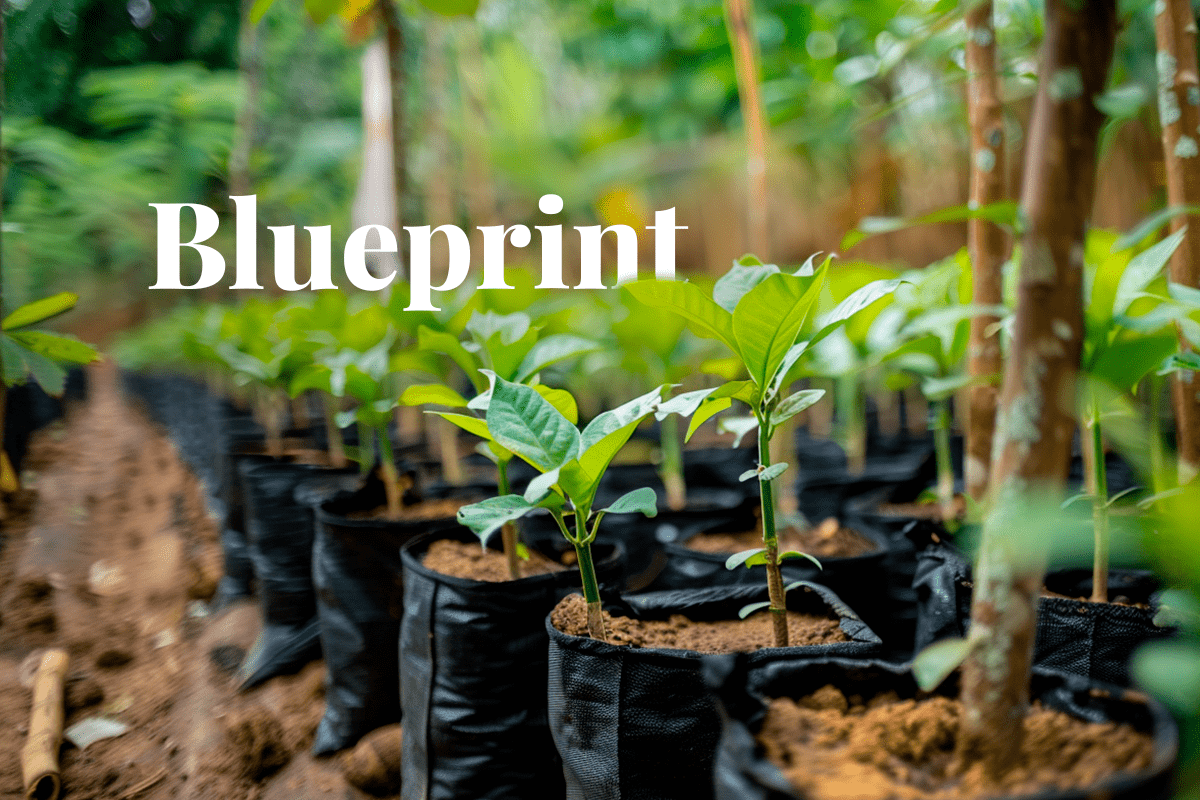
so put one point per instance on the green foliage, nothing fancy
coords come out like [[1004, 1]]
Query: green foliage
[[39, 355]]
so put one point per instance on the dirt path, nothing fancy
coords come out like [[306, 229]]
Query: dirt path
[[109, 553]]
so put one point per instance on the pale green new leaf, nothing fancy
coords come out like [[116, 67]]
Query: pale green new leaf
[[746, 273], [705, 412], [468, 423], [432, 394], [935, 663], [705, 318], [551, 350], [56, 346], [488, 516], [642, 501], [40, 310], [1143, 269], [793, 404], [769, 318]]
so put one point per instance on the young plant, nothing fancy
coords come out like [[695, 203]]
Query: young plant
[[505, 345], [760, 314], [571, 464]]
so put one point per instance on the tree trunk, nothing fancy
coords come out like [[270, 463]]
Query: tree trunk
[[738, 21], [986, 240], [243, 133], [1036, 421], [1179, 113], [394, 30]]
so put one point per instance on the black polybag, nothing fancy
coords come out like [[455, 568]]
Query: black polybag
[[357, 574], [640, 723], [743, 773], [279, 530], [473, 672], [1095, 640]]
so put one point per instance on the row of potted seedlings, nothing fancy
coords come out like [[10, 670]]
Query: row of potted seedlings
[[529, 663]]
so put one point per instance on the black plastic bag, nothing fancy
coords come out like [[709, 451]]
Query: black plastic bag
[[279, 530], [1095, 640], [473, 672], [742, 773], [357, 574], [860, 580], [640, 723]]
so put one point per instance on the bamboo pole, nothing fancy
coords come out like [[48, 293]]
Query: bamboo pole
[[39, 757], [1179, 113], [986, 240]]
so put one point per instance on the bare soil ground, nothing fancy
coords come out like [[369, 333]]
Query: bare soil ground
[[108, 552]]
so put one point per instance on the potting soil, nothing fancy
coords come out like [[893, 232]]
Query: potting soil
[[826, 540], [469, 560]]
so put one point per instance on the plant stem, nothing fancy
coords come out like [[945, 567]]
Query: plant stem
[[366, 447], [672, 463], [508, 533], [851, 411], [1099, 481], [452, 470], [945, 464], [391, 479], [333, 434], [268, 412], [774, 578], [1160, 478], [587, 570]]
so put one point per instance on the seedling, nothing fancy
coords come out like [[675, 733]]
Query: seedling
[[759, 313], [505, 345], [571, 464]]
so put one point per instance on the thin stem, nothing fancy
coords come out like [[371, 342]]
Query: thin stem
[[774, 578], [391, 479], [508, 533], [366, 447], [672, 463], [1099, 510], [851, 411], [587, 571], [945, 464], [452, 470], [268, 411], [333, 434]]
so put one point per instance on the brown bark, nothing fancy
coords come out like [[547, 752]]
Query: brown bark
[[1179, 113], [39, 756], [985, 240], [745, 61], [1036, 421]]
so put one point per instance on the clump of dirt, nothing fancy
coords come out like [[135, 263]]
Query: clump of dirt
[[466, 560], [830, 539], [374, 765], [832, 747], [254, 744], [679, 632], [445, 508], [30, 612]]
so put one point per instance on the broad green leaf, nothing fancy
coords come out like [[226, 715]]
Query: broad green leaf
[[705, 318], [605, 424], [743, 276], [468, 423], [794, 554], [56, 347], [20, 363], [1171, 672], [738, 559], [1151, 225], [683, 404], [789, 360], [448, 344], [642, 501], [1184, 294], [541, 485], [746, 391], [488, 516], [40, 310], [551, 350], [750, 608], [528, 424], [935, 663], [1125, 361], [768, 320], [705, 412], [561, 399], [941, 388], [859, 300], [793, 404], [1144, 268], [432, 394]]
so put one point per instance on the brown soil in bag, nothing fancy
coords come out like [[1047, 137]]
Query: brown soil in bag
[[468, 560], [929, 510], [445, 508], [827, 540], [836, 748], [679, 632]]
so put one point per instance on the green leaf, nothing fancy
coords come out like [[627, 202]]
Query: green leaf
[[40, 310], [705, 412], [529, 425], [643, 501], [768, 320], [561, 399], [432, 394], [1177, 362], [1151, 225], [749, 474], [1144, 268], [321, 10], [935, 663], [705, 318], [739, 426], [1171, 672], [793, 554], [738, 559], [605, 435], [56, 346], [683, 404], [551, 350], [448, 344], [1184, 294], [857, 301], [259, 9], [468, 423], [452, 8], [488, 516], [1125, 361], [541, 485], [20, 363], [743, 276], [1005, 212], [772, 472], [750, 608], [793, 404]]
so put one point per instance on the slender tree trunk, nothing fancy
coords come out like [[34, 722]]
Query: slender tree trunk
[[739, 23], [394, 31], [986, 240], [249, 69], [1036, 421], [1179, 113]]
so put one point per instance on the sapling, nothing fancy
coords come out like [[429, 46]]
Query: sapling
[[571, 464], [760, 314], [507, 345]]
